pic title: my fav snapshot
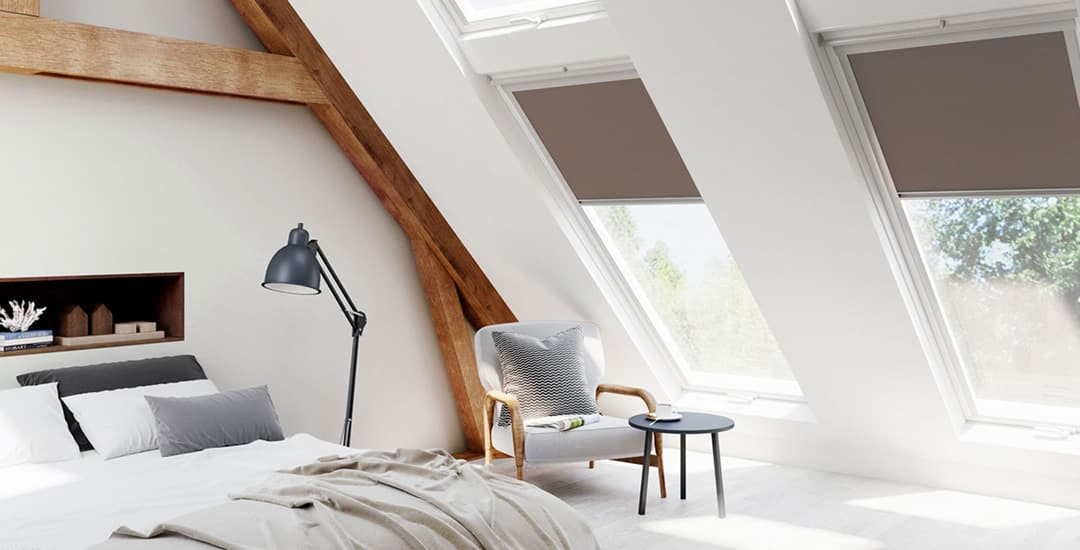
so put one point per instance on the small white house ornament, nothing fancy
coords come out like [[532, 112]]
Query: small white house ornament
[[22, 316]]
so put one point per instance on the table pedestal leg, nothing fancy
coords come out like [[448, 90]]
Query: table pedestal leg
[[719, 477], [645, 473], [682, 466]]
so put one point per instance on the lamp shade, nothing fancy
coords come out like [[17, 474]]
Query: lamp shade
[[294, 268]]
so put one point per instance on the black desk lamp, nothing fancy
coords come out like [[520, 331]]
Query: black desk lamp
[[296, 269]]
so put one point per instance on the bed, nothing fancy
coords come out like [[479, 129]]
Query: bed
[[78, 503], [296, 492]]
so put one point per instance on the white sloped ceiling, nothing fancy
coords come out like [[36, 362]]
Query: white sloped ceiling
[[734, 83]]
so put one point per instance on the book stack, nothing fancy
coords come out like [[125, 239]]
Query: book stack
[[30, 339]]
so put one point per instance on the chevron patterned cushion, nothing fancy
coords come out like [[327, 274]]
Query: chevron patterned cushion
[[547, 376]]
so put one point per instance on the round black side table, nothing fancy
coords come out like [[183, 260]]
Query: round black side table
[[691, 423]]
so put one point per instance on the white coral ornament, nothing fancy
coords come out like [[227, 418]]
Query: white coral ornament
[[22, 316]]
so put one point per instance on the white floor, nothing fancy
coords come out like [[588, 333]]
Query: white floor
[[778, 507]]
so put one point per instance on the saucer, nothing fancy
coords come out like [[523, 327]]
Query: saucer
[[672, 418]]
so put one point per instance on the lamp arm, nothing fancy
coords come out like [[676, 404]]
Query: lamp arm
[[356, 318]]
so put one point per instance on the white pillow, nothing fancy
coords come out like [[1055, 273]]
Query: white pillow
[[120, 422], [32, 426]]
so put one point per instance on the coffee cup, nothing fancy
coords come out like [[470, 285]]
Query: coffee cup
[[664, 410]]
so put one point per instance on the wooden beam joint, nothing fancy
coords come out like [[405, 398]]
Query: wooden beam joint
[[280, 28], [457, 290], [296, 70]]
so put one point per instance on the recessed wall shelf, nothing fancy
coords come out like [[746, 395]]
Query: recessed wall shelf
[[157, 297]]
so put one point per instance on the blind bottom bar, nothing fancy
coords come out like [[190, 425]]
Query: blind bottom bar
[[651, 200], [986, 193]]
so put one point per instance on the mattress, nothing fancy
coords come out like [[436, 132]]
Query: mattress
[[78, 503]]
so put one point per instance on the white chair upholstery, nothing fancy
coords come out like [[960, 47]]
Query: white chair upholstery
[[611, 438]]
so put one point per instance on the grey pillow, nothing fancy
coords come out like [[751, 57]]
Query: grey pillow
[[189, 424], [546, 376]]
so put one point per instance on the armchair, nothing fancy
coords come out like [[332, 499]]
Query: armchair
[[610, 438]]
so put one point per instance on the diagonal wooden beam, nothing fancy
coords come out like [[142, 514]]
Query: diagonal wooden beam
[[38, 45], [282, 31], [455, 342], [262, 26]]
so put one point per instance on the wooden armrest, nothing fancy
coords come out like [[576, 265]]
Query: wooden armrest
[[517, 425], [504, 398], [650, 402], [511, 403]]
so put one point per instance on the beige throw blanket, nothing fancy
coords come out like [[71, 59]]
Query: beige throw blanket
[[378, 499]]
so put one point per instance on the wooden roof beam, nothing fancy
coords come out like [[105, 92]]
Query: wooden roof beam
[[24, 7], [455, 343], [39, 45], [458, 292], [281, 30], [296, 70]]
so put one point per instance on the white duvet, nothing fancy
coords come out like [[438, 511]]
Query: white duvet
[[78, 503]]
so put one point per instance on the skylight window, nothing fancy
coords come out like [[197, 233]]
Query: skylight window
[[991, 242], [679, 267], [487, 14], [664, 265]]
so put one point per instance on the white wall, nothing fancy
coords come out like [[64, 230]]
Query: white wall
[[100, 178], [210, 21]]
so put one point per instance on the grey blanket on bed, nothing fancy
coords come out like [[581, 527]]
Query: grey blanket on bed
[[378, 499]]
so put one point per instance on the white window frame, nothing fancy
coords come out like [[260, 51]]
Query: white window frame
[[833, 50], [453, 13], [782, 398]]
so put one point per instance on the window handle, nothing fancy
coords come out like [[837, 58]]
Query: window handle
[[1052, 432], [741, 398], [535, 20]]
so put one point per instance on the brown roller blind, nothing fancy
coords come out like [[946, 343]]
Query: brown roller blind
[[987, 115], [608, 141]]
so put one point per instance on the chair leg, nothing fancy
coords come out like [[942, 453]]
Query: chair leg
[[660, 466], [519, 446], [592, 464]]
